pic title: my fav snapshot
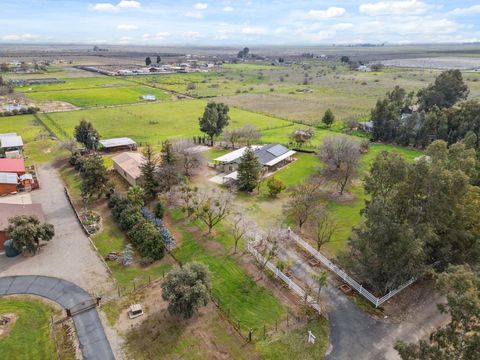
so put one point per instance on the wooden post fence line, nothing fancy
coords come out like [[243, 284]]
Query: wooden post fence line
[[345, 277]]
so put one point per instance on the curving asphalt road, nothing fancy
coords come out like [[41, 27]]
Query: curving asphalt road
[[91, 336]]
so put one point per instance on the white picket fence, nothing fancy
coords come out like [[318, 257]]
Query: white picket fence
[[279, 274], [345, 277]]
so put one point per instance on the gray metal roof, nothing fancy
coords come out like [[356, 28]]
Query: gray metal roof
[[268, 153], [11, 141], [124, 141], [8, 178]]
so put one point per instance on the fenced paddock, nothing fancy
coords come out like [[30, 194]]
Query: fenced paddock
[[344, 276]]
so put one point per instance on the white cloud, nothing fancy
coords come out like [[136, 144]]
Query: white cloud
[[20, 37], [200, 6], [228, 9], [254, 30], [194, 14], [127, 27], [157, 36], [331, 12], [402, 7], [129, 4], [104, 7], [109, 7], [472, 10]]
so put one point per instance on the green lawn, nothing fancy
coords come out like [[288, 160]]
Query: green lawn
[[245, 300], [154, 123], [99, 96], [292, 344], [30, 337]]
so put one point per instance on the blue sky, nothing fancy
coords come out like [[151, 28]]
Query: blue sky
[[238, 22]]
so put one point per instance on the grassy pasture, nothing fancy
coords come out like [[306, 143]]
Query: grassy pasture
[[99, 96], [77, 83], [30, 337], [153, 123]]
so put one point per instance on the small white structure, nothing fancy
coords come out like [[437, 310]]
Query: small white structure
[[135, 311], [11, 142], [149, 97], [311, 337]]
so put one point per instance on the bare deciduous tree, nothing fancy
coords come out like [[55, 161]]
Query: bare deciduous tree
[[70, 144], [211, 207], [322, 226], [246, 135], [303, 202], [240, 227], [187, 157], [341, 155], [268, 246]]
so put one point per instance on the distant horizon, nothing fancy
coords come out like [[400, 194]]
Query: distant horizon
[[229, 23]]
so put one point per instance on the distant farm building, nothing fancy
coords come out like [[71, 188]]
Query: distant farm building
[[11, 145], [149, 97], [271, 157], [117, 144], [8, 211], [127, 165], [8, 183], [366, 126], [16, 166], [363, 68]]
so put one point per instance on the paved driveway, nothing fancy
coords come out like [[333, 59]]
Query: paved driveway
[[91, 336], [69, 255]]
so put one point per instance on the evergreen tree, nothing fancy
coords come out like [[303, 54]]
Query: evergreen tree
[[248, 171], [215, 118], [148, 171], [148, 61], [328, 118], [94, 177], [86, 134]]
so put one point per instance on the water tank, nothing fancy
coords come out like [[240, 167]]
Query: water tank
[[10, 250]]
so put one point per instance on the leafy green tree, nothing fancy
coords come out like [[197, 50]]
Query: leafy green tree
[[26, 232], [168, 155], [148, 61], [328, 118], [148, 240], [214, 119], [86, 134], [345, 59], [95, 181], [248, 171], [136, 195], [460, 339], [159, 59], [187, 289], [275, 186], [129, 217], [447, 89], [148, 170]]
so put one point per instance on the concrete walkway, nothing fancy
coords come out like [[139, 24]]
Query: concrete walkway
[[91, 336]]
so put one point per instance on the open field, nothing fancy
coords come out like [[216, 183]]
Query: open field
[[77, 83], [154, 123], [30, 337], [99, 96]]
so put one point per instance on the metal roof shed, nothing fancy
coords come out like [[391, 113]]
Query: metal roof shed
[[11, 141], [117, 142], [8, 178]]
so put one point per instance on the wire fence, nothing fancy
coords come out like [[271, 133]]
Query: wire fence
[[345, 277]]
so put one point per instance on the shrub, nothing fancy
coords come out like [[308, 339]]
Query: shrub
[[275, 186], [148, 240], [159, 211], [129, 217]]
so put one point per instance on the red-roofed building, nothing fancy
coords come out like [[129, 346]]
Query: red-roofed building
[[12, 166]]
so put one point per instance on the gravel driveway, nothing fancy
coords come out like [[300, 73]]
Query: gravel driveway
[[69, 255]]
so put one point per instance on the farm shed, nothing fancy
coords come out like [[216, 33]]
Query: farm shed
[[123, 143], [11, 142], [128, 164], [149, 97], [8, 183], [8, 211]]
